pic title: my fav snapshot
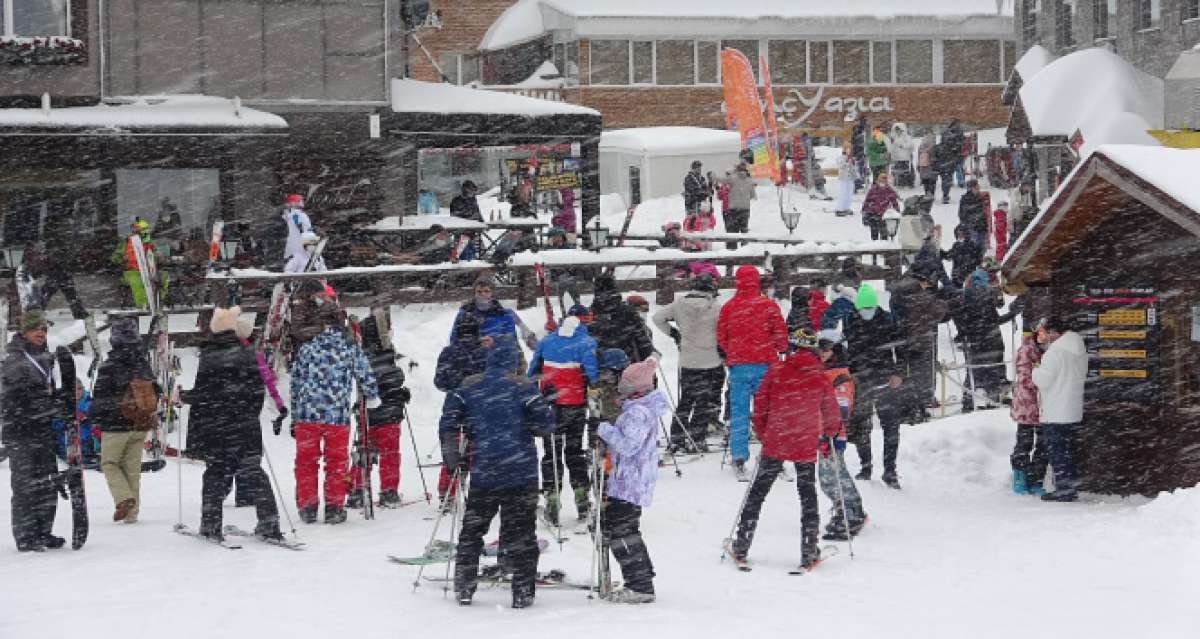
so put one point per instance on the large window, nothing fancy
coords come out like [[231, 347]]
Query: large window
[[1149, 15], [970, 61], [1030, 10], [175, 202], [787, 61], [35, 17], [643, 63], [1064, 24], [818, 62], [1191, 9], [881, 62], [707, 62], [914, 61], [851, 62], [1104, 18], [459, 68], [566, 60], [1010, 60], [610, 62], [674, 62], [749, 48]]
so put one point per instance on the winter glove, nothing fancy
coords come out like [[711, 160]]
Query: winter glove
[[676, 336], [404, 395], [550, 393], [277, 425], [839, 445], [374, 403]]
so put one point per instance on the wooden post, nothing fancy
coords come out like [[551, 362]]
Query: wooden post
[[527, 287], [664, 284], [785, 275]]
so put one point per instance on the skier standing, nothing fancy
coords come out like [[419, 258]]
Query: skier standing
[[632, 440], [701, 375], [1029, 453], [566, 360], [297, 224], [696, 189], [741, 195], [126, 257], [122, 444], [323, 372], [795, 406], [835, 480], [503, 414], [751, 333], [384, 430], [1060, 380], [615, 324], [494, 319], [29, 404], [876, 356], [465, 356], [224, 429], [298, 262]]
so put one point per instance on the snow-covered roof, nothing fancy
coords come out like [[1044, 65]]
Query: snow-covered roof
[[518, 24], [1172, 171], [147, 112], [750, 9], [1033, 61], [1098, 93], [414, 96], [672, 140]]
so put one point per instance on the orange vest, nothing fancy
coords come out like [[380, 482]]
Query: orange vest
[[844, 391], [130, 256]]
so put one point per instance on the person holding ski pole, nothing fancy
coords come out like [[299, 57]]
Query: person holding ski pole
[[848, 516], [384, 430]]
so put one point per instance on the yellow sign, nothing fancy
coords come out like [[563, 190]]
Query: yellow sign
[[1114, 353], [1123, 317], [1134, 374], [560, 181], [1110, 334]]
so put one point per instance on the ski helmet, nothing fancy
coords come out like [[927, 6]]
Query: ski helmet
[[294, 199], [613, 359]]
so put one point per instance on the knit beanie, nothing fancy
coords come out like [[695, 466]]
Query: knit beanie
[[224, 319], [124, 332], [866, 298], [33, 319], [638, 378], [638, 303]]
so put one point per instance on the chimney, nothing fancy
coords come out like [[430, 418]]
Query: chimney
[[1182, 89]]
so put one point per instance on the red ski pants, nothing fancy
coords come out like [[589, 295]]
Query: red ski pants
[[385, 441], [309, 439]]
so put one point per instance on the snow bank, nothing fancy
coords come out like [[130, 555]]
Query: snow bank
[[671, 140], [414, 96], [1175, 513], [141, 112], [1033, 61], [520, 23]]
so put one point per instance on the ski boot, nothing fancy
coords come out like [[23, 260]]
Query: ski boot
[[354, 500], [810, 552], [739, 470], [891, 480], [389, 499], [857, 526], [522, 599], [864, 474], [52, 542], [335, 514], [308, 514], [1018, 482], [211, 533], [268, 530], [627, 596]]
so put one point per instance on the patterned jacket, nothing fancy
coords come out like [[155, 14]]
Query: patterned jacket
[[1024, 393], [633, 442], [323, 376]]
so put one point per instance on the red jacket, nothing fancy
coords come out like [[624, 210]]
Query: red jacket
[[816, 308], [750, 327], [879, 199], [794, 406], [1024, 408]]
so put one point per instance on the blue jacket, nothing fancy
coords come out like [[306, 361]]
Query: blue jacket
[[461, 359], [503, 413], [839, 311], [323, 376], [567, 359], [494, 321]]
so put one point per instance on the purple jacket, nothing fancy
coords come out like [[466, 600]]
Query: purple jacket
[[565, 218], [879, 199], [633, 441]]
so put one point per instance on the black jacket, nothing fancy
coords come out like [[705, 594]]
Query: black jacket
[[695, 188], [979, 320], [392, 393], [466, 208], [965, 256], [616, 325], [226, 400], [971, 213], [875, 349], [28, 404], [124, 364], [945, 157]]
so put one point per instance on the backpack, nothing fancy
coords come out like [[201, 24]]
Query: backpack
[[139, 404]]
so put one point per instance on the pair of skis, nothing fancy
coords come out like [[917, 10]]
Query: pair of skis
[[363, 453], [743, 565], [73, 476], [279, 313], [163, 363]]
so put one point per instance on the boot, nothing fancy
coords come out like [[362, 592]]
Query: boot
[[810, 552], [857, 526], [389, 499], [268, 530], [739, 470], [892, 481], [53, 542], [522, 600], [212, 532], [864, 473], [308, 514], [354, 500], [334, 514], [627, 596], [1018, 482]]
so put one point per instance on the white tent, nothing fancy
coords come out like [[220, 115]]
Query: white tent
[[655, 159]]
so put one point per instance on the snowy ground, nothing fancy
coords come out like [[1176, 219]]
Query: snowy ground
[[954, 554]]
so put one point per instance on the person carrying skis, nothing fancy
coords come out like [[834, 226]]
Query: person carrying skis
[[298, 262], [794, 407], [701, 375], [224, 430], [323, 372], [126, 257], [1060, 379], [297, 225], [877, 360], [30, 403], [632, 440], [566, 361], [835, 480], [1029, 452], [751, 334], [503, 413], [123, 440], [465, 356], [384, 430]]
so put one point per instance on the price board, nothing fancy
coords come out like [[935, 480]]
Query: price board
[[1119, 325]]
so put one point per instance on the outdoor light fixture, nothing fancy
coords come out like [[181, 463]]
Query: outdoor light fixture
[[598, 235], [229, 248], [13, 255], [791, 218], [892, 220]]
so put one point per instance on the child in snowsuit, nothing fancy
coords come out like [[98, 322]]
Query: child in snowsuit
[[835, 480], [633, 440]]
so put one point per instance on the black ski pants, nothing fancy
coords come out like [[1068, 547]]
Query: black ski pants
[[699, 403], [572, 452], [890, 404], [764, 478], [33, 475], [61, 280], [518, 539], [622, 526], [218, 478], [736, 221], [1030, 454]]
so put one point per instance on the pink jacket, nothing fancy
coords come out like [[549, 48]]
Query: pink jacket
[[565, 218], [1025, 394]]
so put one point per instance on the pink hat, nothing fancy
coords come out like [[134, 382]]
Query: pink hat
[[638, 378]]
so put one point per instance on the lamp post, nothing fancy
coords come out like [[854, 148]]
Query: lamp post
[[13, 255], [229, 249], [891, 221], [598, 235]]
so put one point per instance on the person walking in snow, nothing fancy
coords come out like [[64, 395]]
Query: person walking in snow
[[297, 225], [794, 407], [123, 441], [1060, 379], [1028, 457], [566, 361], [900, 153], [945, 160], [878, 361], [925, 166], [29, 403], [880, 197], [632, 440], [751, 333], [834, 478], [224, 430], [877, 154], [502, 414], [384, 430], [323, 373], [465, 356], [701, 374], [847, 176], [696, 189], [971, 213], [741, 194], [299, 262]]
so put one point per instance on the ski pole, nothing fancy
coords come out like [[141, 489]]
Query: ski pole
[[459, 501], [437, 523], [557, 491], [597, 471], [839, 467], [675, 412], [674, 460], [417, 455], [279, 492], [745, 497]]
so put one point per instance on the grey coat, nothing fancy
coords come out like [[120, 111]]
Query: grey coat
[[696, 315], [741, 190]]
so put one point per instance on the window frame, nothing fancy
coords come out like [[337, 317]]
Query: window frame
[[9, 23], [771, 59], [933, 61], [891, 62], [1103, 16], [628, 62], [1144, 9], [653, 64], [999, 70], [690, 41], [1192, 7], [808, 61], [1031, 10], [716, 60], [1064, 35]]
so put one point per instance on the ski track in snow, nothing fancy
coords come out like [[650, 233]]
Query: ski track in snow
[[954, 554]]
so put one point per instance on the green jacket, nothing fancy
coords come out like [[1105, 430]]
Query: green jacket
[[877, 153]]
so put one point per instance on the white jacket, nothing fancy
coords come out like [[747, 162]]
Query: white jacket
[[696, 314], [1060, 378], [298, 223]]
